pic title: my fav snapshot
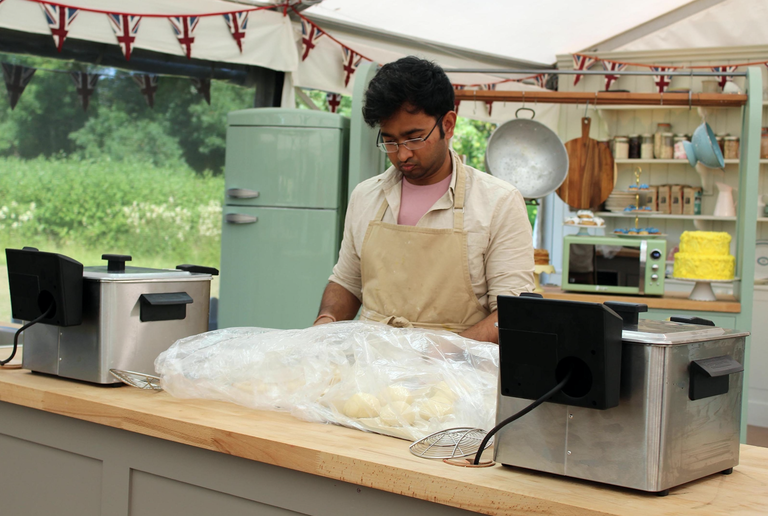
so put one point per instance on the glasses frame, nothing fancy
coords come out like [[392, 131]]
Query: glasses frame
[[419, 142]]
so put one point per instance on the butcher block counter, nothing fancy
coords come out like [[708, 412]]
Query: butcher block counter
[[72, 448], [669, 301]]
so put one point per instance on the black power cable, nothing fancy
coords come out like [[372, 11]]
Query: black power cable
[[48, 313], [557, 388]]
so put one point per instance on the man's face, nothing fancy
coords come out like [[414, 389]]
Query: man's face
[[421, 165]]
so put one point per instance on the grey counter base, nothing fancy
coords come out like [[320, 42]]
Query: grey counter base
[[56, 465]]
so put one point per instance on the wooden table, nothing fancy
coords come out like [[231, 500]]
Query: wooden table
[[230, 457]]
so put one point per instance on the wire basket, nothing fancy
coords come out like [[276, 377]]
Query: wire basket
[[140, 380], [450, 443]]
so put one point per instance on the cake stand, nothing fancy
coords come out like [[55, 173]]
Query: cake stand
[[702, 288], [537, 271], [583, 228]]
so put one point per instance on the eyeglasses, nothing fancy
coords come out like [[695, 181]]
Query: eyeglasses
[[412, 144]]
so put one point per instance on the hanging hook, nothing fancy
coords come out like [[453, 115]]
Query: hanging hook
[[586, 109], [662, 98], [690, 92], [523, 99]]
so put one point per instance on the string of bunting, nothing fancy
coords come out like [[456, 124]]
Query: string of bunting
[[539, 80], [582, 62]]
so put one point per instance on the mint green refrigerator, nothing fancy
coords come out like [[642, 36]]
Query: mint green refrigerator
[[286, 192]]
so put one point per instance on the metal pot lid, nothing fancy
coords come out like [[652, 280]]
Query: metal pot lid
[[668, 333], [529, 155], [101, 273]]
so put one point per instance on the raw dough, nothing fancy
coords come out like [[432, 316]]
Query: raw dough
[[435, 408], [398, 413], [362, 404], [395, 393], [442, 389]]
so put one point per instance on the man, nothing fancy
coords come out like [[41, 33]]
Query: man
[[430, 242]]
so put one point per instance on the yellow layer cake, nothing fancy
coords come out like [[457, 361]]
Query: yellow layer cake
[[704, 255]]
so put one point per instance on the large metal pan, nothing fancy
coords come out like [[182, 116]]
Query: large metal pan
[[527, 154]]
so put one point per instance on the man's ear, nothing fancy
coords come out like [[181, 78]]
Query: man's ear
[[449, 124]]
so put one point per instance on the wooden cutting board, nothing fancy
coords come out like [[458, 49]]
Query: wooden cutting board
[[590, 171]]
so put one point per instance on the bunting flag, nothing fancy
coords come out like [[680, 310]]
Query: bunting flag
[[581, 63], [125, 28], [457, 102], [203, 87], [310, 33], [612, 66], [184, 27], [86, 85], [488, 103], [541, 80], [237, 23], [724, 69], [148, 85], [662, 81], [351, 61], [334, 101], [59, 19], [16, 79]]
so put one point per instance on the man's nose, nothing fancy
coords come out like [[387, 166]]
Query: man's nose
[[403, 153]]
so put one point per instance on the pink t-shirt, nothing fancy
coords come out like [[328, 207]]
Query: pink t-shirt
[[416, 200]]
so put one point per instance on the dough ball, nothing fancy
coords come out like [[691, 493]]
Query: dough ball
[[442, 389], [395, 393], [435, 408], [398, 413], [362, 404]]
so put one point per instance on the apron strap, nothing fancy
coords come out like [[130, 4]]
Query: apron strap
[[458, 198], [382, 210]]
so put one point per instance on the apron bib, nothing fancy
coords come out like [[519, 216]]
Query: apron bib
[[415, 276]]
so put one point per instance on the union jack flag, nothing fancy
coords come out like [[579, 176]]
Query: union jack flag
[[351, 61], [612, 66], [488, 103], [59, 19], [86, 85], [148, 85], [184, 27], [461, 87], [310, 33], [203, 87], [541, 80], [581, 63], [334, 101], [724, 69], [662, 81], [16, 79], [125, 28], [237, 23]]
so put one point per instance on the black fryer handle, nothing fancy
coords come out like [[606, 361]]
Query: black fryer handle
[[116, 262], [691, 320], [198, 269], [629, 312]]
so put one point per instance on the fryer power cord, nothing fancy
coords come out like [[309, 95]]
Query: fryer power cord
[[48, 313]]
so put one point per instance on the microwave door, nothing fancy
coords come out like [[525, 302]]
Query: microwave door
[[604, 265]]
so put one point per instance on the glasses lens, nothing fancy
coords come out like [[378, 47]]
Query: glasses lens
[[388, 147], [415, 144]]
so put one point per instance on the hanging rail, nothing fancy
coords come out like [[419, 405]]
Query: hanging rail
[[554, 71], [605, 98]]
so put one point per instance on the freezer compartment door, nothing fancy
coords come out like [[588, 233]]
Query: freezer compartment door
[[284, 166], [275, 264]]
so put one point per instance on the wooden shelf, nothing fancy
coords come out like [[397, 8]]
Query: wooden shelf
[[618, 214], [670, 161], [602, 99]]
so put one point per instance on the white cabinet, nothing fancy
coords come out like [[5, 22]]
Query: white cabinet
[[758, 360]]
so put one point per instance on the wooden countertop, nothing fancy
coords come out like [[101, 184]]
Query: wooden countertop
[[376, 461], [669, 301]]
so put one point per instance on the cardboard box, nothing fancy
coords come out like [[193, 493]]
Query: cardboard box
[[663, 203], [651, 198], [690, 204], [676, 199]]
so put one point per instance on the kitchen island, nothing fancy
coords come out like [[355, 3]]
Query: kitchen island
[[72, 448]]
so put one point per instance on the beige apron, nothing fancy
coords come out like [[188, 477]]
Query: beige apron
[[414, 276]]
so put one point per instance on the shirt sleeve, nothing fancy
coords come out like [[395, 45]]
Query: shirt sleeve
[[509, 260], [346, 272]]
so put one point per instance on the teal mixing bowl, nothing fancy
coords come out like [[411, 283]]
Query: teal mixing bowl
[[703, 147]]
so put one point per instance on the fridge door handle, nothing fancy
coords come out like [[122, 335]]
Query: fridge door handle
[[242, 193], [240, 218]]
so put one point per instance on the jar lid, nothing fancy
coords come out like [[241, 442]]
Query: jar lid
[[634, 136], [624, 138], [667, 135], [731, 138], [680, 138], [647, 136], [663, 124]]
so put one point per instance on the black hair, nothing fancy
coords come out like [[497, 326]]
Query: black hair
[[409, 80]]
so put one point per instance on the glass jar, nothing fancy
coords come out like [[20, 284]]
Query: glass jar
[[667, 146], [621, 147], [661, 128], [634, 146], [731, 147], [721, 142], [679, 149], [646, 146], [764, 143]]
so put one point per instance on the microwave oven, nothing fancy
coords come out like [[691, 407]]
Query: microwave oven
[[614, 265]]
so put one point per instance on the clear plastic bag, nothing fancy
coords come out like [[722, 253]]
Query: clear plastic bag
[[404, 382]]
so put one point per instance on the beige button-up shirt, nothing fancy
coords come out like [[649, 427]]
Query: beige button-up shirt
[[495, 218]]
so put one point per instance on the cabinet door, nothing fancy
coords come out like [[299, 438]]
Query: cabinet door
[[287, 166], [275, 264]]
